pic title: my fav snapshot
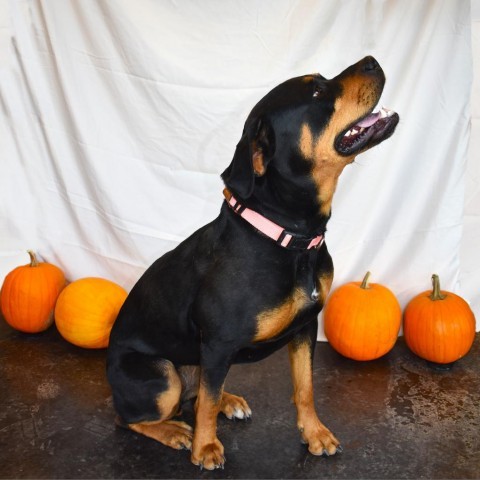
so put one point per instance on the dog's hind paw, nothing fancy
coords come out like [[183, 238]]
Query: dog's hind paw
[[177, 435], [233, 407]]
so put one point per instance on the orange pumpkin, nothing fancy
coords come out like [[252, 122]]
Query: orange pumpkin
[[86, 310], [362, 320], [439, 326], [29, 293]]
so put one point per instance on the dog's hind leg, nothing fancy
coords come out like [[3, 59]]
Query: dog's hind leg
[[171, 433], [147, 393]]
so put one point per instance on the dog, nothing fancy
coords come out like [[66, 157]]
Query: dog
[[254, 279]]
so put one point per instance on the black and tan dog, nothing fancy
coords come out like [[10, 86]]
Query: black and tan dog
[[255, 278]]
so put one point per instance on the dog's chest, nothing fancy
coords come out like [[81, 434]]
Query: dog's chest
[[311, 291], [272, 322]]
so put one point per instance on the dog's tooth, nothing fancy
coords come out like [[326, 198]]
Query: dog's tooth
[[348, 133], [361, 129], [385, 112], [354, 131]]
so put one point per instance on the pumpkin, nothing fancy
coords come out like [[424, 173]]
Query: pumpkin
[[362, 320], [439, 326], [29, 293], [86, 310]]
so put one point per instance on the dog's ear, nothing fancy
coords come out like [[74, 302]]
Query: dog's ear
[[253, 152]]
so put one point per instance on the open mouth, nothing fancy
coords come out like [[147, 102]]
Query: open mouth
[[369, 131]]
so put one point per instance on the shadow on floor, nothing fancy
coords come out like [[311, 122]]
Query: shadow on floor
[[396, 418]]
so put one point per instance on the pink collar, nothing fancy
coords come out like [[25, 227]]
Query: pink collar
[[271, 229]]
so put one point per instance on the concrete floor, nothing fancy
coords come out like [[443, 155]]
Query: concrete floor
[[396, 417]]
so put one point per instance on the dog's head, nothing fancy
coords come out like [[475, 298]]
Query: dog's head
[[300, 136]]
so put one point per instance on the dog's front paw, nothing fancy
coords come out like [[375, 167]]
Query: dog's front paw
[[233, 406], [209, 456], [320, 439]]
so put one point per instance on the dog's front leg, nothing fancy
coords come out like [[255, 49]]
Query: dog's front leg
[[319, 439], [207, 450]]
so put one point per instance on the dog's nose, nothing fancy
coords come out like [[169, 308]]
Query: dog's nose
[[369, 64]]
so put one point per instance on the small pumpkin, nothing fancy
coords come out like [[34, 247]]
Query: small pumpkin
[[439, 326], [362, 320], [86, 310], [29, 293]]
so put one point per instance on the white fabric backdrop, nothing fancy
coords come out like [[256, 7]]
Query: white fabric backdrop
[[118, 117]]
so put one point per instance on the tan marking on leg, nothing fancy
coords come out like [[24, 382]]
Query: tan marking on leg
[[233, 406], [207, 451], [174, 434], [272, 322], [171, 433], [319, 439], [168, 401]]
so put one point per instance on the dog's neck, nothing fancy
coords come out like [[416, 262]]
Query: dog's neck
[[298, 215], [282, 236]]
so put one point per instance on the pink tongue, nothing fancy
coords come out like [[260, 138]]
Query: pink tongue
[[370, 120]]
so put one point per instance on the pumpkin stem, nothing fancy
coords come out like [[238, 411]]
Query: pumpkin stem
[[33, 258], [436, 293], [365, 284]]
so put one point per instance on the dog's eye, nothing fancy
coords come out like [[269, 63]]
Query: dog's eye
[[319, 90]]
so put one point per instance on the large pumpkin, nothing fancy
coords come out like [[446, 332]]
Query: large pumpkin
[[362, 320], [439, 326], [29, 293], [86, 311]]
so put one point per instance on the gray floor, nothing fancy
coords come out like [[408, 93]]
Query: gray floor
[[396, 417]]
